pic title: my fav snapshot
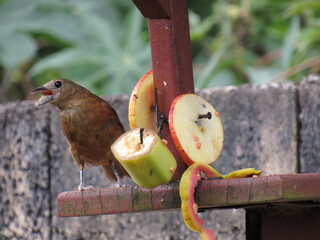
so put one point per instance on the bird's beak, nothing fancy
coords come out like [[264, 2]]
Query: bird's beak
[[39, 89], [47, 95]]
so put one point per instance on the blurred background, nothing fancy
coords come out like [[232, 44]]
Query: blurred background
[[104, 44]]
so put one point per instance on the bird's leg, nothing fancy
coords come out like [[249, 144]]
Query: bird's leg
[[81, 185], [119, 182]]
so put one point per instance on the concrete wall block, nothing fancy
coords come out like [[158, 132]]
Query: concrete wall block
[[25, 203], [260, 127], [309, 138]]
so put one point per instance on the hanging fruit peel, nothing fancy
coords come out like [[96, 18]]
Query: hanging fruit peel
[[188, 184]]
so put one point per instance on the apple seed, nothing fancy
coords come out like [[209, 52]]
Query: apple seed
[[208, 115], [141, 135]]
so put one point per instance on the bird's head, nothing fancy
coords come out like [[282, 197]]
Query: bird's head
[[56, 91]]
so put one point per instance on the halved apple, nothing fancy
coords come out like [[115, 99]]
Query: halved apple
[[141, 110], [145, 156], [196, 129]]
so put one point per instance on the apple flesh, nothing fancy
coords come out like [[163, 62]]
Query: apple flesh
[[196, 129], [146, 158], [141, 110]]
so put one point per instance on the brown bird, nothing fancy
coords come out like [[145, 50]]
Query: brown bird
[[89, 123]]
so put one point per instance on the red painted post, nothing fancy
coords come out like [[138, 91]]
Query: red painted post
[[171, 57]]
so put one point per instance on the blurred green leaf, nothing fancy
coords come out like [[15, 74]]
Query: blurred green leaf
[[204, 77], [116, 58], [290, 42], [104, 46], [300, 6], [261, 75], [15, 48]]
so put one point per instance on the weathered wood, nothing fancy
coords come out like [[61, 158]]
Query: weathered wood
[[154, 9], [280, 222], [239, 192]]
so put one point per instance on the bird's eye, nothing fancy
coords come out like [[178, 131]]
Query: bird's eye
[[58, 84]]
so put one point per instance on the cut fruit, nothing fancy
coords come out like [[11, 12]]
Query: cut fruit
[[141, 110], [188, 184], [242, 173], [189, 208], [145, 157], [196, 129]]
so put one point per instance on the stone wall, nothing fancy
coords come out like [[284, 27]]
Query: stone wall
[[272, 127]]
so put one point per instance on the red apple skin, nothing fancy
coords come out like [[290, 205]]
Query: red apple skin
[[183, 154]]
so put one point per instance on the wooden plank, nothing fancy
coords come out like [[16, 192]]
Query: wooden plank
[[112, 205], [216, 193], [290, 221], [293, 188], [142, 199], [66, 206], [153, 9], [124, 197], [91, 202]]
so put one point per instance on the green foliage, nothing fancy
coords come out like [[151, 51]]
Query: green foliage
[[254, 41], [104, 45], [96, 43], [105, 59]]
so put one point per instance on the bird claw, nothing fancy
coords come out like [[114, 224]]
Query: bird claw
[[83, 188], [119, 184]]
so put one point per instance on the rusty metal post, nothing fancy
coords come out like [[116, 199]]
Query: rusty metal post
[[171, 57]]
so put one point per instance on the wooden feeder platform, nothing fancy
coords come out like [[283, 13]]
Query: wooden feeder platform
[[253, 192], [277, 206]]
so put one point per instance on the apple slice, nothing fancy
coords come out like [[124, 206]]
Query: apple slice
[[141, 110], [145, 156], [196, 129]]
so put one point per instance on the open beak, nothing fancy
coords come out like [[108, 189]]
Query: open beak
[[42, 88], [47, 95]]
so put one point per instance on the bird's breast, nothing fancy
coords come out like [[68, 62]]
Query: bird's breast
[[84, 136]]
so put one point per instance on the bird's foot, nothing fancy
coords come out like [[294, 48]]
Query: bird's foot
[[119, 184], [83, 188]]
